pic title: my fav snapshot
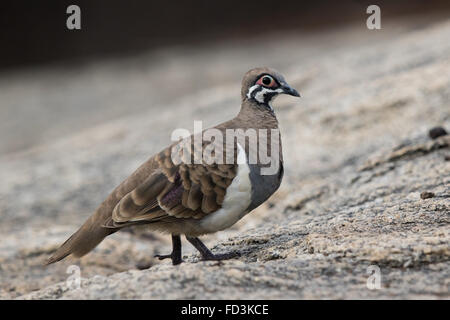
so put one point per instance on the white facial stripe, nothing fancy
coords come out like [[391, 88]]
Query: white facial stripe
[[260, 95], [250, 91]]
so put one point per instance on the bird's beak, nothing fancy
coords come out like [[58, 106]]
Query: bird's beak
[[289, 90]]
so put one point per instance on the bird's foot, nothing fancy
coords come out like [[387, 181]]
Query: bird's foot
[[176, 251], [219, 257], [207, 254], [175, 258]]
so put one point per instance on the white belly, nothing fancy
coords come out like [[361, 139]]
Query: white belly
[[236, 201]]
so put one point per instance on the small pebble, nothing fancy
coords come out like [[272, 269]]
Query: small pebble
[[426, 195], [437, 132]]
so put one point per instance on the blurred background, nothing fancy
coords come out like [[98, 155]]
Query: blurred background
[[81, 109], [183, 45]]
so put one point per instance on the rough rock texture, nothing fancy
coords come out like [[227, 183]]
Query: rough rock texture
[[357, 155]]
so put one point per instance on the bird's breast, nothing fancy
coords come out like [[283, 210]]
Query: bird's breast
[[237, 199]]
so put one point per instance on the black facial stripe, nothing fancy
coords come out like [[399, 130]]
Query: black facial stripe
[[268, 96]]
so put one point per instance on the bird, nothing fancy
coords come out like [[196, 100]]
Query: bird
[[181, 197]]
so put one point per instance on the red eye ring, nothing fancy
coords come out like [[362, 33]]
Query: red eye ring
[[267, 81]]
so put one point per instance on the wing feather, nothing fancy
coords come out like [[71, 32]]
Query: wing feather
[[180, 191]]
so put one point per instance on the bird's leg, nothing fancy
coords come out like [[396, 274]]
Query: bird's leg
[[206, 253], [176, 251]]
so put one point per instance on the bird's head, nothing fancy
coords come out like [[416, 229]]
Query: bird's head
[[261, 85]]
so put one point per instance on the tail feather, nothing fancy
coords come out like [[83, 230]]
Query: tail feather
[[84, 240]]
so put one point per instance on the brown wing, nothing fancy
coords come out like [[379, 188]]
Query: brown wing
[[180, 189]]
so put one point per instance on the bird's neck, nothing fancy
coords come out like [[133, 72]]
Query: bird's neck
[[257, 115]]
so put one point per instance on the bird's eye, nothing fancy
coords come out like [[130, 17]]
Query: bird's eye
[[267, 81]]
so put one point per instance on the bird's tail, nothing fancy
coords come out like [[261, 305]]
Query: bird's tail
[[84, 240]]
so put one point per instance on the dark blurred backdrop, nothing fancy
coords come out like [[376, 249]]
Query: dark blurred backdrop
[[34, 32]]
